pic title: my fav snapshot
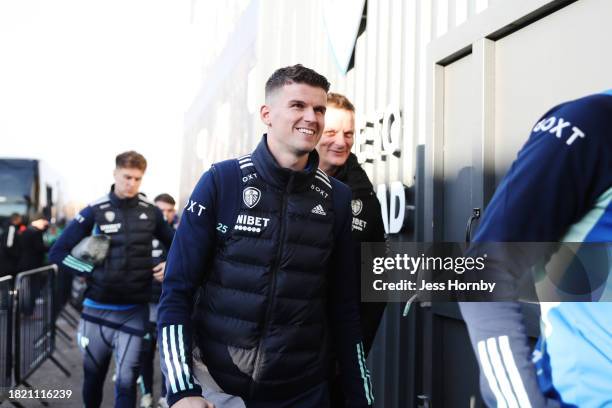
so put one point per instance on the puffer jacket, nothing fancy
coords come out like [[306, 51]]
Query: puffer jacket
[[277, 283]]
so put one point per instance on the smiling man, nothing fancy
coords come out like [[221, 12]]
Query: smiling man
[[265, 238], [115, 310], [336, 159]]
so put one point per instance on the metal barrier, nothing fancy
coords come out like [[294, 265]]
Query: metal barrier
[[6, 335], [63, 280], [34, 321], [61, 295], [27, 327]]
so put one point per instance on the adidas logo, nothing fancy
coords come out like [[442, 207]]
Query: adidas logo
[[318, 210], [143, 216]]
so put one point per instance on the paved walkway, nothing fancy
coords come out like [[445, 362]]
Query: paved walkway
[[50, 377]]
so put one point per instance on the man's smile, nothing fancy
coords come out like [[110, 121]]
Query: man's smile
[[306, 131]]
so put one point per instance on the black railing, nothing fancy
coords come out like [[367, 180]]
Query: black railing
[[63, 286], [34, 323], [6, 335], [27, 327]]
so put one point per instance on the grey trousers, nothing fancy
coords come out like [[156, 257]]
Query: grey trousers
[[100, 333], [211, 391], [317, 397]]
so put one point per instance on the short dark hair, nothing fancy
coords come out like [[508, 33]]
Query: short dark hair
[[295, 74], [131, 160], [14, 217], [166, 198], [38, 215], [336, 100]]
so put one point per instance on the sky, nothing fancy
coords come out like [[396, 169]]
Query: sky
[[83, 80]]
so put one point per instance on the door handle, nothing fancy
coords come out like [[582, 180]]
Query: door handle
[[468, 230]]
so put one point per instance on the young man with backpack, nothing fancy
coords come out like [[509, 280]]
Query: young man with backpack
[[267, 240]]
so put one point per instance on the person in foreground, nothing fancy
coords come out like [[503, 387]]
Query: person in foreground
[[558, 189], [266, 237]]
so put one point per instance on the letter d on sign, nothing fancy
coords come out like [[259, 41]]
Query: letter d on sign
[[398, 207], [381, 194], [393, 213]]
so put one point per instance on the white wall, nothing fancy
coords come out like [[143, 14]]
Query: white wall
[[390, 74], [520, 58]]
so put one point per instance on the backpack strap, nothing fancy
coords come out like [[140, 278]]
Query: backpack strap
[[227, 199]]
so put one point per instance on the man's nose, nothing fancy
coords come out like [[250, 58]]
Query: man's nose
[[339, 139], [310, 115]]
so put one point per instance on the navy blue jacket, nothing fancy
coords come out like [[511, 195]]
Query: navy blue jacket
[[126, 275], [272, 252]]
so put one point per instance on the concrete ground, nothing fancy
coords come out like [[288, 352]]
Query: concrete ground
[[49, 377]]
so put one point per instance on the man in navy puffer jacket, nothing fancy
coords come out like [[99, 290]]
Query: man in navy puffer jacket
[[267, 238], [115, 310]]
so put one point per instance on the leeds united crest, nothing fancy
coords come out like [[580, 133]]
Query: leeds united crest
[[251, 196], [356, 206]]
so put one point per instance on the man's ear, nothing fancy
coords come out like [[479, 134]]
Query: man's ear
[[264, 114]]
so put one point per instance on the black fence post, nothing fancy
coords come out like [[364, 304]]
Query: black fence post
[[6, 335]]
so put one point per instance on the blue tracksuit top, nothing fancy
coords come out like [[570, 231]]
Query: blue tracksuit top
[[558, 189]]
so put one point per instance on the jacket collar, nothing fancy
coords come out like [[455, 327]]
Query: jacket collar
[[281, 178], [352, 174], [122, 202]]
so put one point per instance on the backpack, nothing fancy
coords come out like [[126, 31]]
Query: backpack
[[227, 177], [228, 183]]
